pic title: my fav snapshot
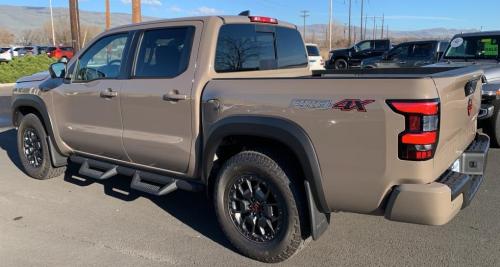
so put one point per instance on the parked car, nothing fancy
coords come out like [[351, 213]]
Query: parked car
[[64, 53], [316, 61], [277, 150], [480, 49], [408, 55], [351, 57], [18, 51], [5, 54]]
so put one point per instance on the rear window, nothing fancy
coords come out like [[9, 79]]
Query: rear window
[[250, 47], [381, 45], [312, 51]]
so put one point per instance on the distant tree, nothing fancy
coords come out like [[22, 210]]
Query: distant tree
[[6, 37]]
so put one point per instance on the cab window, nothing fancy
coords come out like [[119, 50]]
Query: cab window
[[249, 47], [164, 52], [103, 60]]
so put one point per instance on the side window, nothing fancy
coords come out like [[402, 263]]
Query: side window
[[364, 46], [423, 50], [381, 45], [400, 52], [164, 52], [102, 60]]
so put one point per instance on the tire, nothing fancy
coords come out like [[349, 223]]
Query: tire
[[31, 136], [283, 199], [340, 64], [495, 127]]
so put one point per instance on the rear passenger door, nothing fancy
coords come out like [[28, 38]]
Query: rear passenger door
[[156, 101]]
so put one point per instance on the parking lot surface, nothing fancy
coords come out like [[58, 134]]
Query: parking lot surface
[[73, 221]]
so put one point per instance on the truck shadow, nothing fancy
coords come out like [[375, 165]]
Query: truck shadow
[[192, 209]]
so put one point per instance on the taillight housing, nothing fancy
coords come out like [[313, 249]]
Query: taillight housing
[[418, 141]]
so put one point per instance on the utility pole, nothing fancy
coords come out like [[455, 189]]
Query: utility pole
[[387, 31], [305, 14], [366, 23], [383, 21], [74, 18], [108, 16], [52, 24], [330, 26], [350, 10], [362, 10], [374, 27], [136, 11]]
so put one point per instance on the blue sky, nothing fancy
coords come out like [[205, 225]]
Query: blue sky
[[400, 14]]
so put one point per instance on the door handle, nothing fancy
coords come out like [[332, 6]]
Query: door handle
[[175, 96], [108, 93], [402, 62]]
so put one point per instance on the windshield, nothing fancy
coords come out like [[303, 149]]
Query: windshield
[[312, 51], [480, 47]]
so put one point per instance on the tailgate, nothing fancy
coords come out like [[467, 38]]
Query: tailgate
[[460, 99]]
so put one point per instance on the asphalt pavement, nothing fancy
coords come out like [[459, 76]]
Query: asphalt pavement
[[73, 221]]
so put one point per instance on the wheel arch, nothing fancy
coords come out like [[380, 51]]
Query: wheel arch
[[26, 104], [279, 130]]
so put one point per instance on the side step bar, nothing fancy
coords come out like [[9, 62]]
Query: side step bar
[[147, 182]]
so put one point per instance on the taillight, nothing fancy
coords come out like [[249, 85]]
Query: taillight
[[263, 20], [419, 139]]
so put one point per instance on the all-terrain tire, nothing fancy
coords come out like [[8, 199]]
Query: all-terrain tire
[[340, 64], [275, 174], [43, 168]]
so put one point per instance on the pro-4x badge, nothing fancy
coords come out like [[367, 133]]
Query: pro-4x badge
[[322, 104]]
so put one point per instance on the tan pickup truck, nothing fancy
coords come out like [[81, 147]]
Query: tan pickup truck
[[228, 105]]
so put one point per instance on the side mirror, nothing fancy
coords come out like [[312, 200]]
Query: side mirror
[[57, 70]]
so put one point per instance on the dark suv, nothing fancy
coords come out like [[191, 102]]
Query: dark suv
[[409, 54], [352, 57]]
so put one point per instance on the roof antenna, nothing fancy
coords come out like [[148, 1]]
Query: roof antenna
[[245, 13]]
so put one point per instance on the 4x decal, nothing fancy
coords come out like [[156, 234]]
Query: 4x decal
[[322, 104], [351, 104]]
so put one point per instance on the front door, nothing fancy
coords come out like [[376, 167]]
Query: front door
[[87, 109], [156, 102]]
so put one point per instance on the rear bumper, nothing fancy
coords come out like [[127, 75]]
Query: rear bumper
[[438, 202]]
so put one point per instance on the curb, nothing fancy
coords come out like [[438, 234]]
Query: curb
[[6, 84]]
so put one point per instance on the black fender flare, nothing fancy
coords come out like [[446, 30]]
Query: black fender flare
[[279, 129], [35, 102]]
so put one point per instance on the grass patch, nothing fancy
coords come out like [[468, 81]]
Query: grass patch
[[23, 66]]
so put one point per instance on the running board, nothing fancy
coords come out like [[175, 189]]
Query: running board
[[95, 174], [144, 181], [148, 184]]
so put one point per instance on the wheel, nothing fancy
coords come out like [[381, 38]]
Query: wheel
[[33, 149], [495, 127], [340, 64], [259, 208]]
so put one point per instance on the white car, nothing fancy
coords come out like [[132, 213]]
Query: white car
[[5, 54], [316, 62], [18, 51]]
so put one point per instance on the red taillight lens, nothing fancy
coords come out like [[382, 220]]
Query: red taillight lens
[[263, 20], [419, 140]]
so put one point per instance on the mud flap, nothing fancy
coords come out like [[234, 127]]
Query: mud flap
[[319, 221]]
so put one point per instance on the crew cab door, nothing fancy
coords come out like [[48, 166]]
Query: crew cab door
[[361, 51], [87, 108], [156, 100]]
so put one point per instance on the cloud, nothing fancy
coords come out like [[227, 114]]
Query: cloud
[[175, 9], [418, 18], [204, 11], [145, 2]]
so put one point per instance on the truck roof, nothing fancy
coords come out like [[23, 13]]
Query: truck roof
[[477, 34], [226, 19]]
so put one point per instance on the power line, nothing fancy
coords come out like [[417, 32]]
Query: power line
[[305, 14]]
